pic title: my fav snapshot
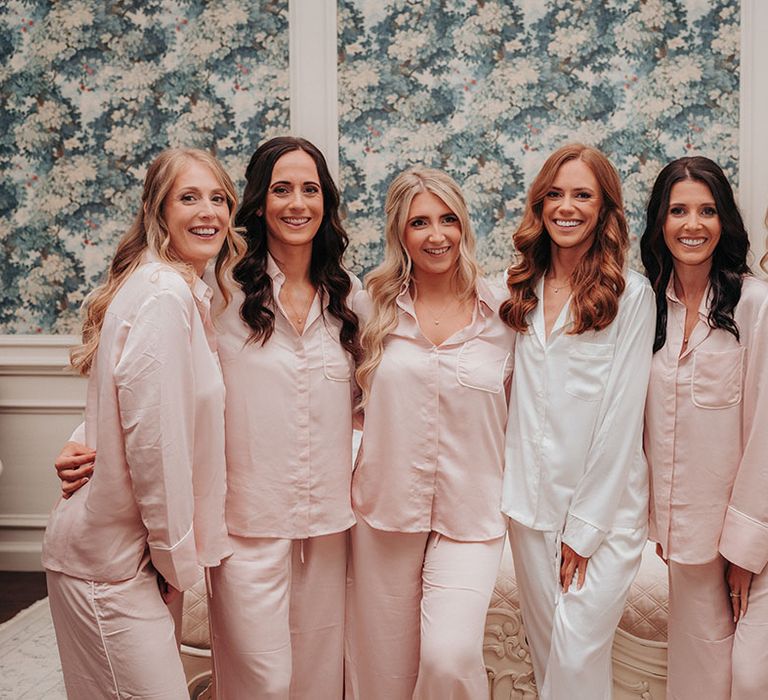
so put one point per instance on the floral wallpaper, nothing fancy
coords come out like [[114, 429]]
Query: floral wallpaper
[[486, 89], [90, 91]]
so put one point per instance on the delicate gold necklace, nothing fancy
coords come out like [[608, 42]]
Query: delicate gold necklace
[[437, 318], [298, 318], [556, 289]]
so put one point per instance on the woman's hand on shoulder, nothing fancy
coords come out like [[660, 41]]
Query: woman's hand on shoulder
[[74, 466], [739, 581]]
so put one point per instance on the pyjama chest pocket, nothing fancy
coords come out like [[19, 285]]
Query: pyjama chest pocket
[[589, 365], [717, 378], [482, 365]]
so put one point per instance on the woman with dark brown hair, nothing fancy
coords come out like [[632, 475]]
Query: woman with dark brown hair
[[287, 343], [705, 433], [575, 482]]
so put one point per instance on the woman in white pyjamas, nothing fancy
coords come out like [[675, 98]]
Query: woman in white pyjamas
[[575, 482]]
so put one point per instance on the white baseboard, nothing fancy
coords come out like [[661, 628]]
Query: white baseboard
[[21, 556], [41, 402]]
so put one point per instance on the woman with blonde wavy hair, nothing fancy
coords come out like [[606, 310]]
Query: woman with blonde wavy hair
[[434, 377], [288, 343], [152, 511], [575, 482]]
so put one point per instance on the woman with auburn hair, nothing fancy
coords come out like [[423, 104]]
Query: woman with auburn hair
[[153, 513], [288, 345], [575, 482], [434, 377], [705, 433]]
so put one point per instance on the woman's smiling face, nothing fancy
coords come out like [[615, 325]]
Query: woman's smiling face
[[432, 236], [572, 206], [692, 226], [293, 209]]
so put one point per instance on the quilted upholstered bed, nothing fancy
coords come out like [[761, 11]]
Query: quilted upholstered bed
[[639, 648]]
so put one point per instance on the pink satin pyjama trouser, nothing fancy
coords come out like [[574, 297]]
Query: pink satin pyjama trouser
[[277, 619], [116, 640], [416, 615], [708, 655]]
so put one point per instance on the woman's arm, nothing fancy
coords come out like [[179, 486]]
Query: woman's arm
[[744, 539], [155, 382], [74, 466], [618, 434]]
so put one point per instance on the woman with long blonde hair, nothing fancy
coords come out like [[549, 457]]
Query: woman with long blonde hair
[[288, 344], [436, 365], [152, 511], [575, 482]]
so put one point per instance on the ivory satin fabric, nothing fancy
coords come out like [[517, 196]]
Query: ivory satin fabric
[[575, 473], [574, 458]]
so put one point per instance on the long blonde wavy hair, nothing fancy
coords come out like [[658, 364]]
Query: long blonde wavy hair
[[598, 280], [385, 282], [149, 232]]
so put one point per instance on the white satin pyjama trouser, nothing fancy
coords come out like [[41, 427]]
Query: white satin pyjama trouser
[[570, 635]]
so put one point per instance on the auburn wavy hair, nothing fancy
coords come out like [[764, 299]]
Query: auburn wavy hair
[[326, 270], [729, 260], [598, 280], [385, 282], [150, 232]]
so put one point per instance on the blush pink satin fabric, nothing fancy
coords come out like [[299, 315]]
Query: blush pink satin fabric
[[706, 438], [432, 453], [155, 413]]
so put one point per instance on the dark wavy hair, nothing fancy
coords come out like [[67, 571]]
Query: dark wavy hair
[[326, 271], [729, 260]]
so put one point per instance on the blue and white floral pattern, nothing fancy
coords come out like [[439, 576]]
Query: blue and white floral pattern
[[90, 91], [486, 89]]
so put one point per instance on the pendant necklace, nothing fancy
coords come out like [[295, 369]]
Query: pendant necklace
[[557, 289], [297, 317], [437, 318]]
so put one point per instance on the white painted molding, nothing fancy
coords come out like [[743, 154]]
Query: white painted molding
[[313, 65], [21, 556], [42, 406], [41, 400], [753, 124], [24, 520], [35, 355]]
